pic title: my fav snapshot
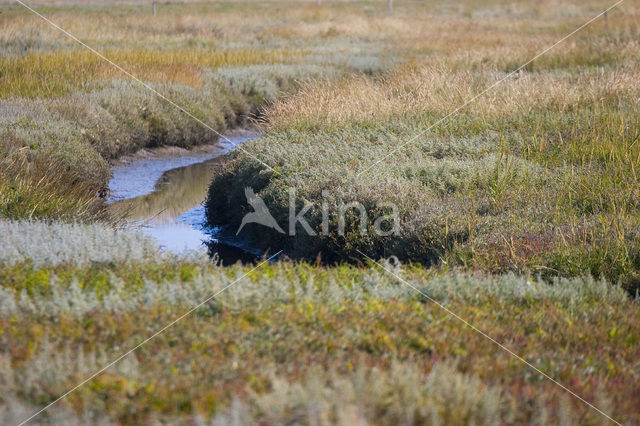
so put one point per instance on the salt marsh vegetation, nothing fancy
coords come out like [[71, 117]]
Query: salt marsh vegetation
[[519, 213]]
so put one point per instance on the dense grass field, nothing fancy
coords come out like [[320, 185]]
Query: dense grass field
[[539, 175], [519, 214]]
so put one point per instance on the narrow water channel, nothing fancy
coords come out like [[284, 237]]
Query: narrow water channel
[[163, 196]]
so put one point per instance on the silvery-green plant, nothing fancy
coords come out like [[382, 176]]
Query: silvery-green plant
[[265, 291], [50, 243]]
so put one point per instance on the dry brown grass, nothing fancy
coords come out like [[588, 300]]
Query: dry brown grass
[[423, 89]]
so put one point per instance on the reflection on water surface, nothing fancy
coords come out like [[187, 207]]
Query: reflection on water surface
[[164, 195]]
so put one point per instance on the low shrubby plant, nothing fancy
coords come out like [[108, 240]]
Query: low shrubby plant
[[48, 292], [293, 342], [261, 84], [399, 395], [44, 244]]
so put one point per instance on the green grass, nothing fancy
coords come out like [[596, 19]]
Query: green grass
[[538, 176], [39, 189]]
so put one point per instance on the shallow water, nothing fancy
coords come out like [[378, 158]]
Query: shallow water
[[163, 197]]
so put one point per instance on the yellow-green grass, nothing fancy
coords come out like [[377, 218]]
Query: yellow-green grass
[[174, 44], [39, 189], [52, 74]]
